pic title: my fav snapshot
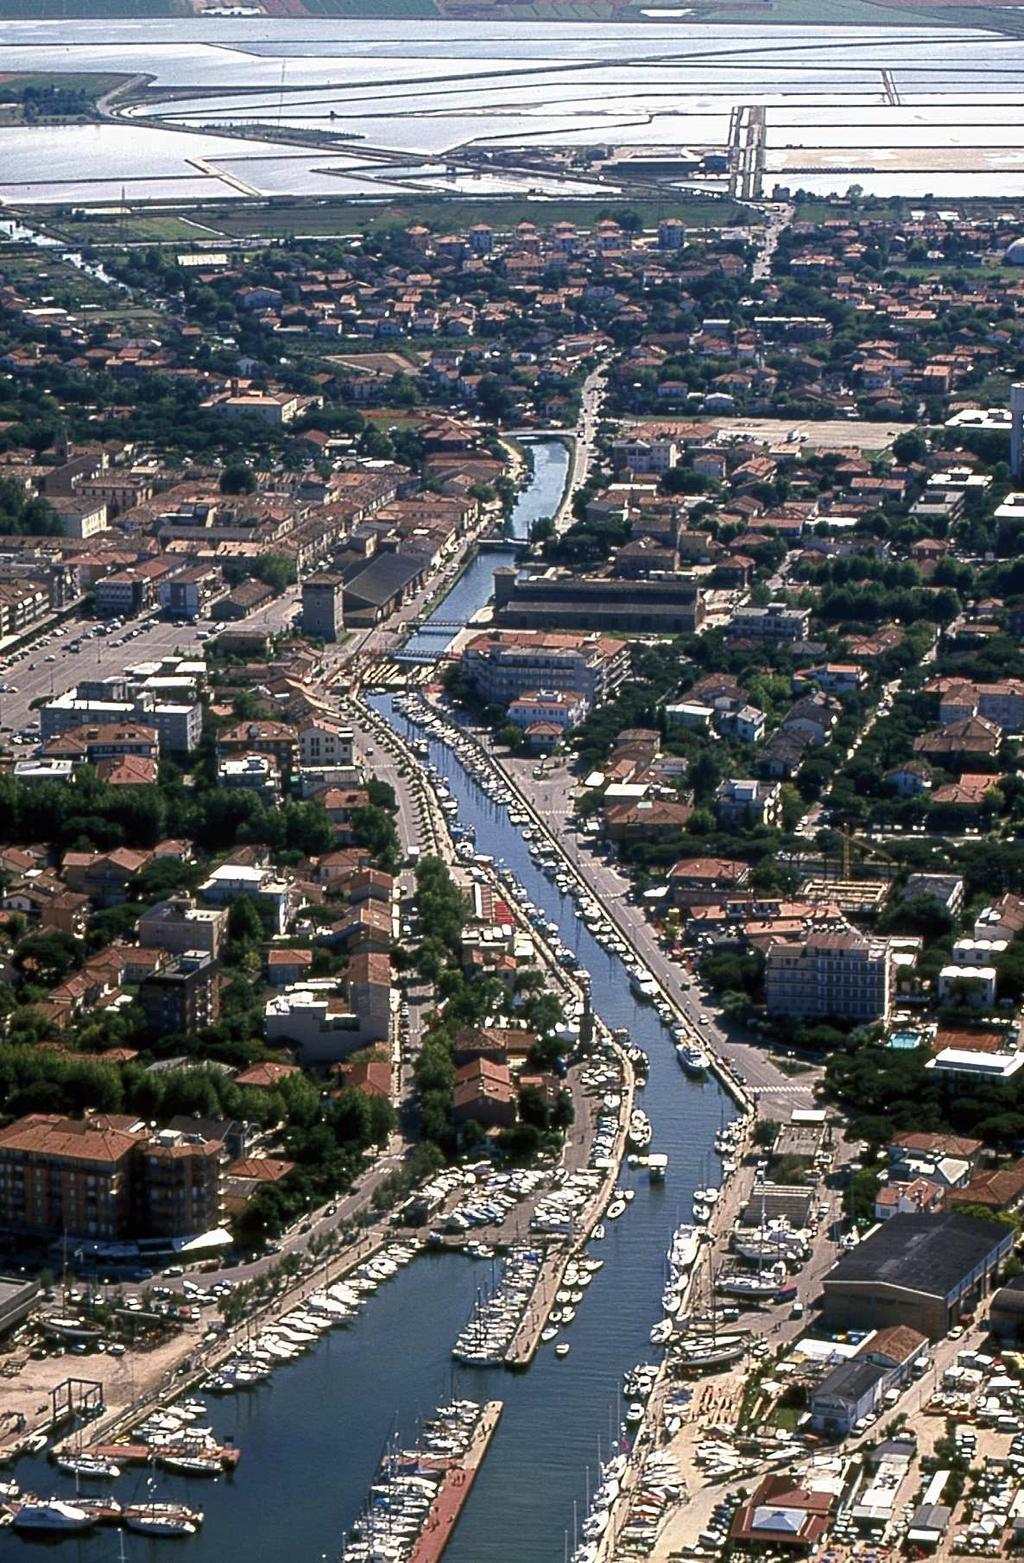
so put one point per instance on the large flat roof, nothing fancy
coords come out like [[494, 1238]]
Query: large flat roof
[[926, 1254]]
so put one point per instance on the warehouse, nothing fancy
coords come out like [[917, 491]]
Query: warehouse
[[924, 1271]]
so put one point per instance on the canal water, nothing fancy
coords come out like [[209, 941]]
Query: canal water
[[549, 461]]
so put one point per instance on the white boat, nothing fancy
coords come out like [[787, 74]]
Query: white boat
[[162, 1519], [52, 1515], [615, 1209], [563, 1349], [88, 1467], [693, 1058]]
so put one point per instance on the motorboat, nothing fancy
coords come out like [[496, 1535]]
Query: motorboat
[[162, 1519], [693, 1058], [563, 1349], [51, 1516]]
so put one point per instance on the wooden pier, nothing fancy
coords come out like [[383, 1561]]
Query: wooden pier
[[443, 1514]]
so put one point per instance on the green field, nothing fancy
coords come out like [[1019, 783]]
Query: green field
[[343, 217]]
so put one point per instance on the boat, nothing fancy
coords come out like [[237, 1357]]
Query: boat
[[754, 1288], [643, 985], [563, 1349], [52, 1515], [693, 1058], [88, 1467], [191, 1464], [657, 1166], [615, 1209], [162, 1519], [699, 1356]]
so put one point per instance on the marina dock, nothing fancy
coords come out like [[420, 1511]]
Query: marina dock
[[439, 1526], [524, 1344]]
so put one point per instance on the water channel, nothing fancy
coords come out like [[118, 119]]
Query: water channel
[[549, 462], [312, 1438]]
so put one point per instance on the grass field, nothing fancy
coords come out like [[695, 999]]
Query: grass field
[[458, 212]]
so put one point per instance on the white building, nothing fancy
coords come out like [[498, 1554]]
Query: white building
[[232, 880]]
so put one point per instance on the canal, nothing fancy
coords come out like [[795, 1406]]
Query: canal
[[473, 588], [311, 1439]]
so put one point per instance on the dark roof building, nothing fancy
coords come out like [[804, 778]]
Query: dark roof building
[[925, 1271]]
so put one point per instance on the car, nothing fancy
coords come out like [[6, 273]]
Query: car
[[703, 1020], [115, 1349], [174, 1270]]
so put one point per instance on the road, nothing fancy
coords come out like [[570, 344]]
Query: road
[[583, 445]]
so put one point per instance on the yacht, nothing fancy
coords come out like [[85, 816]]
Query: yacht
[[693, 1058], [52, 1515], [88, 1467]]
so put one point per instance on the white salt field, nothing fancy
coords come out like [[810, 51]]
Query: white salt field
[[941, 103]]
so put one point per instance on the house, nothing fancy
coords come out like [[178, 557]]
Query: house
[[906, 1199], [705, 880], [781, 1514], [287, 967], [483, 1091], [646, 820], [747, 804], [955, 743], [266, 1076], [846, 1395], [1000, 1190]]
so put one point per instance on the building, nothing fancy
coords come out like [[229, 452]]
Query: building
[[781, 1514], [559, 708], [324, 743], [185, 996], [180, 1188], [1017, 429], [107, 1178], [775, 622], [256, 773], [191, 592], [179, 924], [838, 972], [484, 1092], [277, 740], [318, 1021], [667, 604], [504, 663], [744, 805], [271, 894], [322, 612], [850, 1392], [920, 1270], [67, 1175]]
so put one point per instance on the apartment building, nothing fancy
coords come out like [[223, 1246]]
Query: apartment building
[[504, 663], [741, 804], [179, 925], [837, 972], [277, 740], [184, 996], [107, 1178], [775, 622]]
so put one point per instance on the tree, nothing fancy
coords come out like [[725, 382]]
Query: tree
[[47, 958], [238, 478], [245, 925]]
